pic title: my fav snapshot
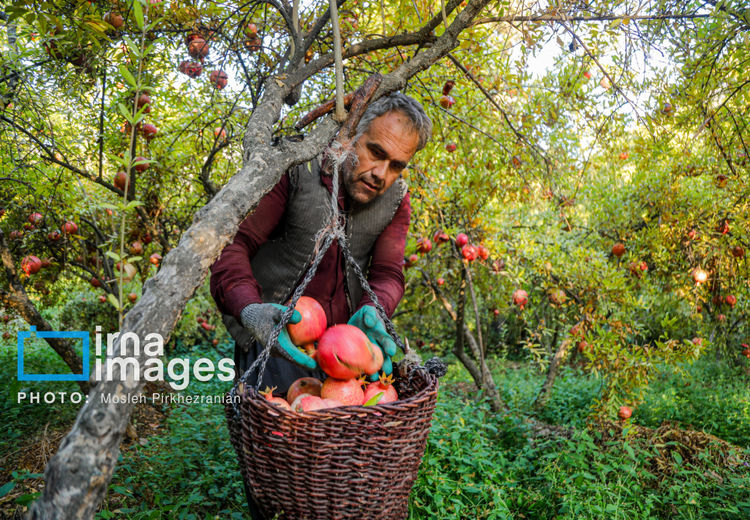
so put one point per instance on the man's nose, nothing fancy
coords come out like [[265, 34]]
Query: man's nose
[[379, 170]]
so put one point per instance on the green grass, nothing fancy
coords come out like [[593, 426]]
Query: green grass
[[477, 464]]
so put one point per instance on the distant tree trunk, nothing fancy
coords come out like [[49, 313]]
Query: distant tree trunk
[[17, 299], [475, 364], [554, 369]]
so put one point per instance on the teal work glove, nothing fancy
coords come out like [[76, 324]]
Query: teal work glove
[[367, 320], [261, 318]]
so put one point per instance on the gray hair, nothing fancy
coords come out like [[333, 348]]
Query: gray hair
[[398, 102]]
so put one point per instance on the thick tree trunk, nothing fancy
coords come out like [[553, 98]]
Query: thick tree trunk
[[78, 474], [17, 299]]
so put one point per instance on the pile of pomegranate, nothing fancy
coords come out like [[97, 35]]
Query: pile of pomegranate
[[345, 354]]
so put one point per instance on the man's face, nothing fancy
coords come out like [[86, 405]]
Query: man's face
[[383, 152]]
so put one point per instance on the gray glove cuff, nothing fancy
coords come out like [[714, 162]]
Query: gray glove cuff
[[260, 319]]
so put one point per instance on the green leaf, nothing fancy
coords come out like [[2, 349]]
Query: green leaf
[[134, 203], [124, 112], [375, 399], [113, 300], [5, 489], [114, 256], [138, 13], [25, 500], [128, 76]]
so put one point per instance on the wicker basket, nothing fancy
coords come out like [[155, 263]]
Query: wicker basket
[[350, 462]]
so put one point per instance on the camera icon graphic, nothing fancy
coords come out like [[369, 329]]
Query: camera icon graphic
[[78, 334]]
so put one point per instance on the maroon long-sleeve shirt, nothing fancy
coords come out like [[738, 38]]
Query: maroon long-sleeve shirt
[[233, 285]]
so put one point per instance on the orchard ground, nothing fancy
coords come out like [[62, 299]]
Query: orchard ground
[[177, 461]]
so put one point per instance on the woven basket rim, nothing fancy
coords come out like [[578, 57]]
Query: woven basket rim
[[251, 395]]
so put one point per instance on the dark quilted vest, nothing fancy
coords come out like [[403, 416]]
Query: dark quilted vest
[[279, 264]]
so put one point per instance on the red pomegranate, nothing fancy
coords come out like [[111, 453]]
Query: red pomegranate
[[70, 227], [731, 300], [312, 324], [219, 78], [303, 385], [520, 298], [149, 131], [53, 236], [424, 245], [198, 48], [95, 282], [383, 386], [440, 237], [469, 252], [192, 69], [447, 101], [36, 218], [155, 258], [309, 403], [346, 391], [344, 352], [625, 412], [140, 164], [121, 180], [618, 249], [31, 264], [483, 252], [462, 239], [738, 252]]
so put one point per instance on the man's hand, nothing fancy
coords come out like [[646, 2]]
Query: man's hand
[[261, 318], [367, 320]]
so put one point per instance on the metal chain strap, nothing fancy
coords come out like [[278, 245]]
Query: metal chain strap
[[338, 154]]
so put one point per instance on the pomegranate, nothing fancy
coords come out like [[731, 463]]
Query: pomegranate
[[142, 100], [146, 238], [31, 264], [483, 252], [447, 101], [516, 162], [587, 75], [95, 282], [469, 252], [149, 131], [140, 164], [520, 298], [198, 48], [461, 240], [220, 133], [251, 31], [738, 252], [723, 227], [383, 386], [424, 245], [451, 147], [70, 227], [731, 300], [348, 392], [309, 403], [121, 180], [448, 86], [496, 312], [345, 352], [312, 324], [440, 281], [192, 69], [303, 385], [53, 236], [132, 297], [411, 261], [114, 19], [623, 156], [440, 237], [583, 346], [618, 249], [155, 258], [136, 248], [36, 218], [102, 298], [219, 78], [625, 412]]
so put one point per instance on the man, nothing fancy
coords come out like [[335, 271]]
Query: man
[[258, 272]]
